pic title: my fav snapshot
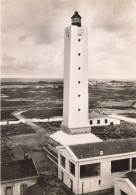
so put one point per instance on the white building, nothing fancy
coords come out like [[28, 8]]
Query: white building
[[95, 167], [75, 102], [125, 185], [97, 119], [86, 164], [16, 176]]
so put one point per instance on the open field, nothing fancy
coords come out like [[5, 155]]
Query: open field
[[45, 99], [7, 115], [51, 127], [122, 131], [32, 145], [43, 113], [34, 141], [41, 99], [17, 129], [131, 115]]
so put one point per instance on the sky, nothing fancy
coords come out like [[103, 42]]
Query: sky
[[32, 37]]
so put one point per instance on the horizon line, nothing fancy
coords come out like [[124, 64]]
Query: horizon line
[[63, 78]]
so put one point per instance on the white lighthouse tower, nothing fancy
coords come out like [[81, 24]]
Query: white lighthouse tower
[[75, 98]]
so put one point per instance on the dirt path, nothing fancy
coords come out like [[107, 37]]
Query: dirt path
[[18, 115], [32, 143], [123, 118]]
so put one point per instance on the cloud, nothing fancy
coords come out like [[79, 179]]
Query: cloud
[[8, 59], [22, 38], [114, 16], [33, 37]]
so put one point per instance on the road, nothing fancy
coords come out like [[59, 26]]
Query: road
[[123, 118], [18, 115]]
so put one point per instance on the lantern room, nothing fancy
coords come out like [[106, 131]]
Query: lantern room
[[76, 19]]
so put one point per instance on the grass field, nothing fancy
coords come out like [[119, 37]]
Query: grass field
[[43, 113], [7, 115], [51, 127], [43, 99], [131, 115], [18, 129], [122, 131]]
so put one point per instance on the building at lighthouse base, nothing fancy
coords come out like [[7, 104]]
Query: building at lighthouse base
[[93, 168]]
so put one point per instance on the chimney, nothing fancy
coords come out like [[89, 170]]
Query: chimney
[[26, 156]]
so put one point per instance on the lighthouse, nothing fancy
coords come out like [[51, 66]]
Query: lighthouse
[[75, 97]]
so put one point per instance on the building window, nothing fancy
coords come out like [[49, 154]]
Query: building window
[[71, 185], [71, 168], [106, 121], [23, 189], [99, 182], [62, 177], [79, 109], [78, 95], [119, 165], [62, 161], [133, 163], [79, 40], [79, 82], [91, 122], [98, 121], [9, 190], [89, 170], [79, 54], [79, 68]]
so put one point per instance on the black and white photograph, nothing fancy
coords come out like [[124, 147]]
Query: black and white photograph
[[68, 97]]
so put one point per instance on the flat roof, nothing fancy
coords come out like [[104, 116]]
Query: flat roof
[[111, 147], [67, 139]]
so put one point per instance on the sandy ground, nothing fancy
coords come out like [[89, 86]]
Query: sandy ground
[[32, 145]]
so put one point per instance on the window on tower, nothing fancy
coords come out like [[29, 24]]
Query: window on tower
[[79, 68], [79, 82], [79, 109], [78, 95], [79, 40], [79, 54]]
